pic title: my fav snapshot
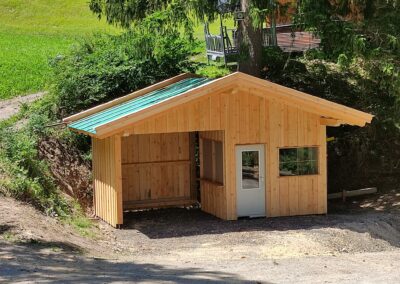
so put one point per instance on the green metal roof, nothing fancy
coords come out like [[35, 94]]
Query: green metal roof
[[90, 123]]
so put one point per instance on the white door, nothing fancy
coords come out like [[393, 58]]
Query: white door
[[250, 181]]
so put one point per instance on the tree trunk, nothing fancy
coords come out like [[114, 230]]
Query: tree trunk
[[249, 44]]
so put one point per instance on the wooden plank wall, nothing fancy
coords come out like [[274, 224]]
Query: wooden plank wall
[[256, 120], [213, 194], [156, 170], [250, 117], [107, 179]]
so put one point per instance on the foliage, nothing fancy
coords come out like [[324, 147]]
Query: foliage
[[358, 65], [358, 157], [212, 71], [95, 70], [31, 35], [126, 12], [29, 178], [79, 221], [105, 67], [185, 14]]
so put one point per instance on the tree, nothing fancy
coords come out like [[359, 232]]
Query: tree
[[185, 13], [249, 42]]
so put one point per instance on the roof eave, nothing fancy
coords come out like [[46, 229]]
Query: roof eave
[[130, 96]]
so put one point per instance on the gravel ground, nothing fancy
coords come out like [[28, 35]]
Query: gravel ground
[[182, 246], [39, 263]]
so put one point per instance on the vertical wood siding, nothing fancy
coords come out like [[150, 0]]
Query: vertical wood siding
[[212, 193], [250, 117], [107, 179], [156, 170]]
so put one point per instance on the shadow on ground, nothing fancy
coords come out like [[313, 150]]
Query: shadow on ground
[[5, 228], [53, 262], [180, 222]]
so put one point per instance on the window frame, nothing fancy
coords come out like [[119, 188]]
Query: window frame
[[318, 165], [214, 160]]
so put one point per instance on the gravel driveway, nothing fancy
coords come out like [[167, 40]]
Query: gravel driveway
[[189, 246]]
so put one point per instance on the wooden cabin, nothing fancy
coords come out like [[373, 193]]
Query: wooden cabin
[[261, 148]]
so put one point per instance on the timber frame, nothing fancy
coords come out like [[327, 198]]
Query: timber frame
[[146, 159]]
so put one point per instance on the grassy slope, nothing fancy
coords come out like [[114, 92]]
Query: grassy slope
[[31, 34]]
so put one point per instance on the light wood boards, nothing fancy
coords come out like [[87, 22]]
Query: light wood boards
[[295, 195], [212, 194], [212, 198], [157, 159], [155, 168], [160, 203], [107, 179], [121, 124], [236, 81], [247, 118]]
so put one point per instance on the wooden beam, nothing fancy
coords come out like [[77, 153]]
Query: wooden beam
[[345, 115], [259, 87], [329, 121], [300, 98], [192, 157], [351, 193], [160, 203], [118, 179], [236, 82], [172, 163], [133, 95]]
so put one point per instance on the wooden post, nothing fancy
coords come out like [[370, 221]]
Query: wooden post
[[192, 157], [118, 178]]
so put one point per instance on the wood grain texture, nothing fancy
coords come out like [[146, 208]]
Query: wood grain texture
[[156, 168], [246, 118], [157, 158], [107, 179], [212, 194]]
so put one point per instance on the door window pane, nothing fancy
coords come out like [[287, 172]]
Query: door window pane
[[250, 170]]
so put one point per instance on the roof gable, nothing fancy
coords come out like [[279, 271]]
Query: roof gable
[[121, 114]]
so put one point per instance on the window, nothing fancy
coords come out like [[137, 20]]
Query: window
[[250, 170], [298, 161], [213, 161]]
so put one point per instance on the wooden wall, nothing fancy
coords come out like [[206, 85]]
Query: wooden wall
[[107, 179], [156, 170], [249, 116], [212, 193]]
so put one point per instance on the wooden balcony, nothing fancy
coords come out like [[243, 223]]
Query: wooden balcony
[[225, 44]]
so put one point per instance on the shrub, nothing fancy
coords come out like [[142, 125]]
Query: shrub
[[105, 67], [30, 179], [95, 70]]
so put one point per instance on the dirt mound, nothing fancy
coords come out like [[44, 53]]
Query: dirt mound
[[71, 172], [20, 223]]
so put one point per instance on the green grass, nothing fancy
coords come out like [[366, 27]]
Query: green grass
[[32, 32], [24, 61]]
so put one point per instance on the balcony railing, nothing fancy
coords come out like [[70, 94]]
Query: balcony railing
[[225, 44]]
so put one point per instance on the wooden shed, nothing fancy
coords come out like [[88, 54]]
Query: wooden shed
[[260, 148]]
